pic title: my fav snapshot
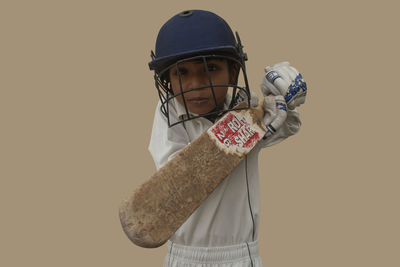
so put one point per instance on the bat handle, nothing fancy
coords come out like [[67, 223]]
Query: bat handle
[[259, 112]]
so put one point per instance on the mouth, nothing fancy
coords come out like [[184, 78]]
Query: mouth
[[198, 100]]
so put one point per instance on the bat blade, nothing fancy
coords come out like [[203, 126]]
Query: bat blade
[[162, 204]]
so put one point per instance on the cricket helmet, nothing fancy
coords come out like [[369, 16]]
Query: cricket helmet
[[196, 35]]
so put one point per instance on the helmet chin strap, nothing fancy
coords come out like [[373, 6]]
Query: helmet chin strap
[[212, 117], [215, 114]]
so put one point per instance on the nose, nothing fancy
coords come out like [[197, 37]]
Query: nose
[[198, 80]]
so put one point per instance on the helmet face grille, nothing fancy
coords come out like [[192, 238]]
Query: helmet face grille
[[235, 92]]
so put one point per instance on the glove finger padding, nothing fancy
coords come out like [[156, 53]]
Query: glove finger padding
[[288, 81], [294, 72], [275, 113], [284, 70], [268, 88], [290, 72], [279, 81]]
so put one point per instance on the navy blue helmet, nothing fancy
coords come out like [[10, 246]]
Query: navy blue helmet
[[197, 35]]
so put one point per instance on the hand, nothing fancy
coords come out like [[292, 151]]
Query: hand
[[283, 79], [275, 113]]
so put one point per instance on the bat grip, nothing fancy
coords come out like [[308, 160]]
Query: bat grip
[[259, 112]]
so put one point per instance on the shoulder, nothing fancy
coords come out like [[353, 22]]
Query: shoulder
[[166, 141], [163, 109], [161, 130]]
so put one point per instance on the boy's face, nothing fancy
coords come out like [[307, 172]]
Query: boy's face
[[193, 74]]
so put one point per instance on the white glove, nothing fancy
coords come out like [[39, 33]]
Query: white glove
[[274, 110], [283, 79], [275, 113]]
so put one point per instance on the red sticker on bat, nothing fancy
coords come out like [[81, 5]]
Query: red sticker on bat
[[236, 132]]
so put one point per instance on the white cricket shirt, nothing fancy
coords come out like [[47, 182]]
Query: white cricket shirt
[[225, 217]]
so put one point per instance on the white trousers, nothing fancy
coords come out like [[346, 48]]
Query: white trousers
[[241, 255]]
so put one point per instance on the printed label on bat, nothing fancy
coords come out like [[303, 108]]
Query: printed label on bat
[[236, 132]]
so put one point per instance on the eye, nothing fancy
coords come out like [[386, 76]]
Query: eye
[[182, 71], [212, 67]]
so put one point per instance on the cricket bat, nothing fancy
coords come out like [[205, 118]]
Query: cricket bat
[[153, 213]]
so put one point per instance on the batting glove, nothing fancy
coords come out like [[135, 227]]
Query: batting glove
[[274, 113], [283, 79]]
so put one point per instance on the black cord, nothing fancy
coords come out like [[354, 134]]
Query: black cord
[[248, 196], [251, 260], [251, 211]]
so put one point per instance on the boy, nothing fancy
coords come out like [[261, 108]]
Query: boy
[[197, 64]]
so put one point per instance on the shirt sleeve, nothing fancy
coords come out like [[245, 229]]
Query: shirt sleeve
[[166, 142], [290, 127]]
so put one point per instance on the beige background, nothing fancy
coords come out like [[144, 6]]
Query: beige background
[[77, 103]]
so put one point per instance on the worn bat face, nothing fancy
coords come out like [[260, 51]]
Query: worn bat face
[[162, 204]]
